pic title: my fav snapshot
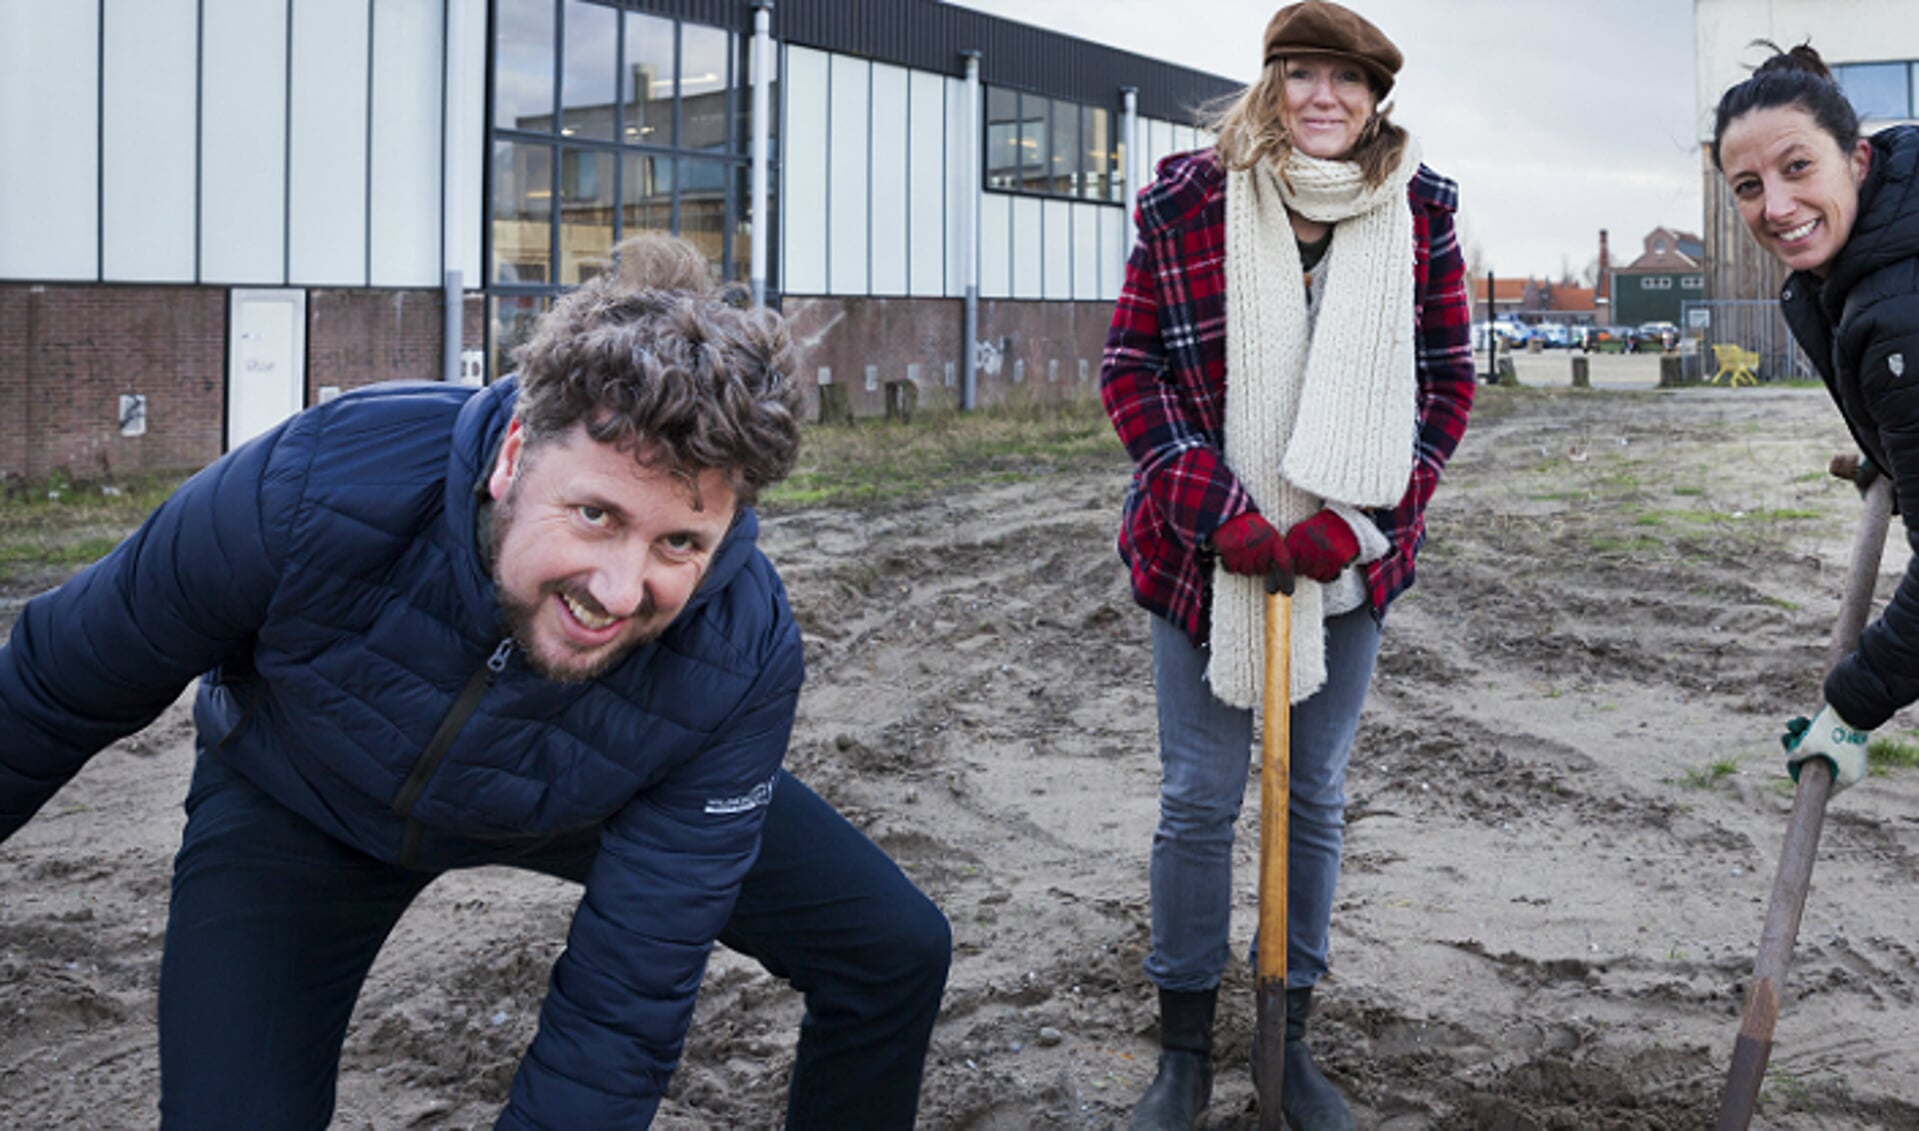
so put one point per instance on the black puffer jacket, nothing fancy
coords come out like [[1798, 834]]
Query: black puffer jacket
[[1860, 326]]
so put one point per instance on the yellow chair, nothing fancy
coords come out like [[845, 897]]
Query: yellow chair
[[1735, 364]]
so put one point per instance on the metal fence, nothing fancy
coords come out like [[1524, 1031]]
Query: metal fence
[[1750, 324]]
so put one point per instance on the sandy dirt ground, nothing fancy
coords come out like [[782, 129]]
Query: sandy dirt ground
[[1566, 811]]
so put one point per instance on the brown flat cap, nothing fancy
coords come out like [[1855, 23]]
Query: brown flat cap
[[1319, 27]]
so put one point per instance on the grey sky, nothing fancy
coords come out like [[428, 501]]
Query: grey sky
[[1557, 117]]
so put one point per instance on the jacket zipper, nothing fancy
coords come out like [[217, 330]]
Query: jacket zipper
[[456, 717]]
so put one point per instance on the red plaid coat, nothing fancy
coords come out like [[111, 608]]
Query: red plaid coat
[[1163, 380]]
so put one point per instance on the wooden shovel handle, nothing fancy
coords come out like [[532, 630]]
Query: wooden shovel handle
[[1275, 790], [1754, 1046]]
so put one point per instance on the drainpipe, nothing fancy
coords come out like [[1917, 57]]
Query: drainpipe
[[1129, 130], [453, 286], [762, 228], [969, 232]]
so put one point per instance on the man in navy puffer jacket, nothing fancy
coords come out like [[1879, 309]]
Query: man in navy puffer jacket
[[529, 625]]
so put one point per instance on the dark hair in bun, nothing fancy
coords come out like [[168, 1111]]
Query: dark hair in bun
[[1790, 78]]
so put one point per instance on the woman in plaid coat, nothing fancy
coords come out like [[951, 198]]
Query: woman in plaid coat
[[1290, 368]]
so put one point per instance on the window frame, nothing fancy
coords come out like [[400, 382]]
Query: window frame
[[732, 157], [1908, 71], [1083, 114]]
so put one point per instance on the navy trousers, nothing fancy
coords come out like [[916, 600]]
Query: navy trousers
[[273, 926]]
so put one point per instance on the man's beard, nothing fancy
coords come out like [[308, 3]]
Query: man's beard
[[519, 616]]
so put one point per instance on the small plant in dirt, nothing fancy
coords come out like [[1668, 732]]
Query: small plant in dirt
[[1786, 1088], [1885, 755], [1709, 775]]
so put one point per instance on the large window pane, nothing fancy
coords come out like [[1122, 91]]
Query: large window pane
[[512, 320], [704, 81], [1034, 142], [1116, 186], [703, 209], [522, 212], [586, 213], [587, 90], [1064, 152], [1002, 138], [1099, 157], [523, 66], [1876, 90], [646, 195], [646, 87]]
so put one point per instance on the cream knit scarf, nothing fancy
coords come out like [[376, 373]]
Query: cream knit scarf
[[1319, 410]]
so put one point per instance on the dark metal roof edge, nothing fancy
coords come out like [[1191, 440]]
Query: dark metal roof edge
[[932, 34]]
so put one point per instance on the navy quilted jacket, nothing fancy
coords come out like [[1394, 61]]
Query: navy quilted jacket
[[1860, 327], [326, 579]]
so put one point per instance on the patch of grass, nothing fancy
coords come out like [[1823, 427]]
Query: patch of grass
[[886, 461], [1784, 1087], [52, 526], [1691, 491], [1623, 479], [1884, 755], [1607, 544], [1718, 518], [1707, 776]]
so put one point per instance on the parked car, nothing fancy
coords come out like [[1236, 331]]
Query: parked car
[[1510, 334], [1611, 339], [1663, 334], [1553, 335]]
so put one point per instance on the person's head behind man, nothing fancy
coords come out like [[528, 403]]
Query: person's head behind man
[[652, 407]]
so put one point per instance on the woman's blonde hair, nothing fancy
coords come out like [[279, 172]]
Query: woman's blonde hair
[[1250, 128]]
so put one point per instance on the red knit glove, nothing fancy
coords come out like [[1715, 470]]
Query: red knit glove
[[1248, 544], [1322, 545]]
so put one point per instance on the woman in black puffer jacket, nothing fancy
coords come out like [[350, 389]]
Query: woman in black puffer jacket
[[1842, 211]]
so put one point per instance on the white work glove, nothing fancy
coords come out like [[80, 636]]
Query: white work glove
[[1827, 736]]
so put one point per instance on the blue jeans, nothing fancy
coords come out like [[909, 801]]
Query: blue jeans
[[1205, 750], [273, 926]]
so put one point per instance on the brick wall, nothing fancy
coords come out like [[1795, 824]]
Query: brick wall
[[68, 353], [362, 337], [1026, 351]]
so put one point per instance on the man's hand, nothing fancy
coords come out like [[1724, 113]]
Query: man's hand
[[1248, 544], [1322, 545], [1827, 736]]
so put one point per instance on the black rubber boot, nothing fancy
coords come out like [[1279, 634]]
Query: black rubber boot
[[1176, 1099], [1307, 1099]]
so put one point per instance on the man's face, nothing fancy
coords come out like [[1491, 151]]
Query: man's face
[[594, 553]]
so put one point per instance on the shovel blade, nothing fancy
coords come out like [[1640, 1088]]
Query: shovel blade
[[1269, 1050]]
